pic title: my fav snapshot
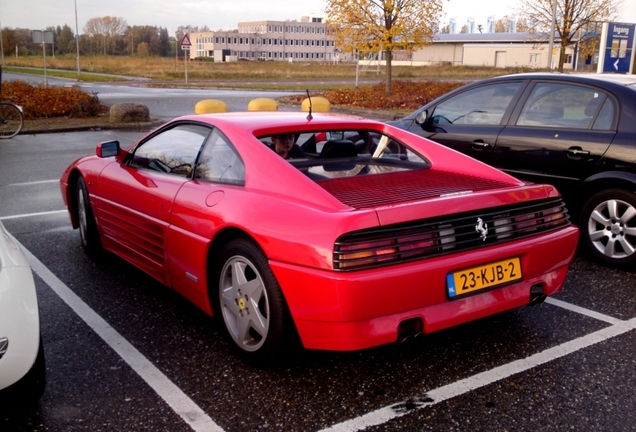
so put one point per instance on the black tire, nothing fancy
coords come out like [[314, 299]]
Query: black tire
[[608, 227], [11, 120], [89, 236], [250, 305], [30, 388]]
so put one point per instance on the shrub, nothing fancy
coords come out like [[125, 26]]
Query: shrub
[[44, 102], [407, 95]]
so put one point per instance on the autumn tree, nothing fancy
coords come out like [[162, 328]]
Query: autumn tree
[[65, 40], [521, 26], [107, 28], [156, 39], [382, 25], [501, 25], [572, 18]]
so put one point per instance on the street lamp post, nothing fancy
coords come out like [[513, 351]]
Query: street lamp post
[[77, 40], [552, 25]]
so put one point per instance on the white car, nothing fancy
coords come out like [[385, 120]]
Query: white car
[[22, 369]]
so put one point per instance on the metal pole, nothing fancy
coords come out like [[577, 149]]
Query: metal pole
[[357, 68], [77, 40], [1, 46], [552, 25], [46, 84]]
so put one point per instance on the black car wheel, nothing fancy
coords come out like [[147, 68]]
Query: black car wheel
[[608, 226], [86, 220], [251, 304]]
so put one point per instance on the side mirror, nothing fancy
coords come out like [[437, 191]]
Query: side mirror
[[421, 117], [107, 149]]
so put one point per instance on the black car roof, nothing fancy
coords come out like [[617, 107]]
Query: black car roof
[[621, 79]]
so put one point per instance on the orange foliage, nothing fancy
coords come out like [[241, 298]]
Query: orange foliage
[[408, 95], [44, 102]]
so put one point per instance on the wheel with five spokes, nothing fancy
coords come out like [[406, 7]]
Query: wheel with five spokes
[[250, 303]]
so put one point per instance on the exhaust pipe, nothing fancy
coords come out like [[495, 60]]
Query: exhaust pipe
[[409, 328], [537, 295]]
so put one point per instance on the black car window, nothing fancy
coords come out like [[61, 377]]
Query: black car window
[[558, 105], [605, 119], [484, 105], [219, 161], [172, 151]]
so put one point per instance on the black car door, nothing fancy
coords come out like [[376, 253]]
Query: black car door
[[471, 120], [558, 134]]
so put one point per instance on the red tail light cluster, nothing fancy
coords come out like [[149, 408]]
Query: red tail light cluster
[[428, 238]]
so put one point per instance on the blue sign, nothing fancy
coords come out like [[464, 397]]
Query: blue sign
[[619, 48]]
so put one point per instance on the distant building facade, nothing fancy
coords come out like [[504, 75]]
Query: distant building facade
[[304, 40], [484, 49]]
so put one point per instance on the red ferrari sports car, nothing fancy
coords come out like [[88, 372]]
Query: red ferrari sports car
[[344, 232]]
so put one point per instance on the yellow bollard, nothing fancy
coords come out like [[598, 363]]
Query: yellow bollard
[[318, 104], [263, 104], [210, 106]]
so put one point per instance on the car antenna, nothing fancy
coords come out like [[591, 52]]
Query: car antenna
[[309, 116]]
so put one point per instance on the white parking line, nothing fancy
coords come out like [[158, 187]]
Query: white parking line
[[583, 311], [34, 183], [474, 382], [180, 403], [33, 214]]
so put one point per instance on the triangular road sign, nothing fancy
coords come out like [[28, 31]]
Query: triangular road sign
[[185, 41]]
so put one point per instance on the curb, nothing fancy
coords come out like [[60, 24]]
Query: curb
[[132, 127]]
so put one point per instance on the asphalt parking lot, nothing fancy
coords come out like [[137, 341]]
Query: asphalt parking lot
[[125, 353]]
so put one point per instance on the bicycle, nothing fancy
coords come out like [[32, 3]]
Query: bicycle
[[11, 119]]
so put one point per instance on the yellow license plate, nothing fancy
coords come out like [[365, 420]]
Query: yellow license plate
[[482, 277]]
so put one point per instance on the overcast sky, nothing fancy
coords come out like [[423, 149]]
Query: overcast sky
[[216, 14]]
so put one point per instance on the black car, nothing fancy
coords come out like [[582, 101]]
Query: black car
[[575, 131]]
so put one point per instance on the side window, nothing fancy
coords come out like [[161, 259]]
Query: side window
[[555, 105], [172, 151], [219, 161], [605, 118], [483, 105]]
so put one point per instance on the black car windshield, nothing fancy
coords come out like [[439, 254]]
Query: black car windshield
[[344, 153]]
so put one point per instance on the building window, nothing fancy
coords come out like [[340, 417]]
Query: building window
[[535, 58]]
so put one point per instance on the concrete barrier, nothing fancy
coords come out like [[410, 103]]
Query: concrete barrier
[[129, 113], [318, 104], [210, 106], [263, 104]]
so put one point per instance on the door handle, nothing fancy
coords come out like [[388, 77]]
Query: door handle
[[577, 151], [480, 145]]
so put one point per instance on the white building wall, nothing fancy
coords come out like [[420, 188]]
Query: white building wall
[[506, 55], [438, 54], [268, 40]]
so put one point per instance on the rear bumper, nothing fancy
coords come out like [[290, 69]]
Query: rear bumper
[[355, 310]]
